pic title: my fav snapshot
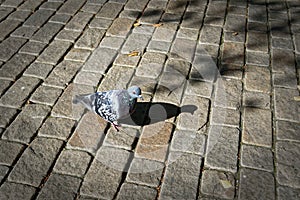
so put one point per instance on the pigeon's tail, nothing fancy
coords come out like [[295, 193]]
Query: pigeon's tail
[[86, 99]]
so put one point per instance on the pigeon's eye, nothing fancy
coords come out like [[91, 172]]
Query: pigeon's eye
[[133, 92]]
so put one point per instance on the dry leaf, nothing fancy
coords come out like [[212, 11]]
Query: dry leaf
[[235, 33], [157, 25], [226, 184], [136, 24], [297, 98], [133, 53]]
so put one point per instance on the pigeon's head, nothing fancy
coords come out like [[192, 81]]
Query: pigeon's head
[[135, 92]]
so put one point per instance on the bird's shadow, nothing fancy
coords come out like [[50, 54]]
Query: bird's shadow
[[149, 113]]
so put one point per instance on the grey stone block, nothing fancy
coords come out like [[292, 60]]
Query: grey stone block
[[57, 127], [181, 176], [145, 172], [125, 141], [176, 7], [3, 171], [282, 43], [285, 106], [197, 119], [7, 26], [257, 41], [112, 42], [67, 35], [24, 32], [228, 93], [149, 66], [131, 14], [33, 48], [9, 47], [287, 154], [60, 18], [233, 53], [150, 16], [157, 4], [257, 27], [135, 42], [286, 79], [90, 39], [222, 148], [286, 130], [257, 79], [18, 93], [191, 34], [183, 49], [38, 18], [117, 78], [199, 88], [127, 61], [137, 5], [45, 95], [210, 34], [8, 190], [256, 100], [257, 157], [257, 58], [217, 8], [133, 191], [287, 193], [88, 133], [79, 21], [104, 175], [110, 10], [256, 184], [13, 4], [100, 60], [188, 141], [159, 46], [257, 127], [51, 5], [120, 27], [9, 152], [62, 74], [100, 23], [54, 52], [88, 78], [257, 13], [282, 60], [15, 66], [38, 70], [91, 8], [78, 55], [64, 106], [214, 21], [7, 115], [47, 32], [30, 5], [192, 20], [70, 7], [225, 117], [218, 184], [60, 187], [4, 85], [28, 121], [235, 23], [35, 162], [72, 162], [204, 68]]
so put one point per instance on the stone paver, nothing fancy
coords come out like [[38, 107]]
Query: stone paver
[[220, 115]]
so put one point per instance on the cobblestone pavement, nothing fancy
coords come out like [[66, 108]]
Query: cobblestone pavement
[[220, 119]]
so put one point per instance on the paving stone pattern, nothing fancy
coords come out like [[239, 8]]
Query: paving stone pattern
[[220, 79]]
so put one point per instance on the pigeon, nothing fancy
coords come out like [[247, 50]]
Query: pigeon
[[111, 105]]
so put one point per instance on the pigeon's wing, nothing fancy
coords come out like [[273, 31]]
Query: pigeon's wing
[[121, 103], [88, 100]]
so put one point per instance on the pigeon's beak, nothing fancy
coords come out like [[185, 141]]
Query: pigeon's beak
[[141, 97]]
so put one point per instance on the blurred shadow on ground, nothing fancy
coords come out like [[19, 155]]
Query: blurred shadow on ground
[[150, 113]]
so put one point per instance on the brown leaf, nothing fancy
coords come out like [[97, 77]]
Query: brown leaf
[[133, 53], [157, 25], [226, 184], [235, 33], [136, 24]]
